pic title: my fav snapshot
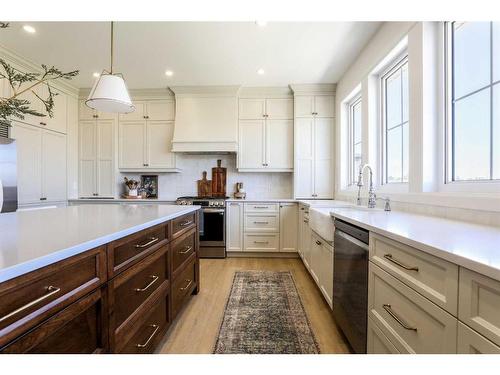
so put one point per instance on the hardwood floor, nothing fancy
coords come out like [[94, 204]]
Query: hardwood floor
[[197, 326]]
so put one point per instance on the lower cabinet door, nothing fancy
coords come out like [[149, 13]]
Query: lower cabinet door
[[78, 329], [471, 342], [377, 342], [182, 286]]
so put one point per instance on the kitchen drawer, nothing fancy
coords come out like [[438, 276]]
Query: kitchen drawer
[[479, 304], [432, 277], [183, 286], [471, 342], [411, 322], [78, 329], [30, 299], [262, 242], [261, 207], [259, 223], [182, 248], [129, 290], [126, 251], [151, 330], [183, 224], [377, 342]]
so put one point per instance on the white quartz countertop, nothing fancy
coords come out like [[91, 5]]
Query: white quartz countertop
[[472, 246], [106, 200], [270, 200], [33, 239]]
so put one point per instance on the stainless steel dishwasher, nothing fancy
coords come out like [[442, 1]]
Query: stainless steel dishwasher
[[350, 282]]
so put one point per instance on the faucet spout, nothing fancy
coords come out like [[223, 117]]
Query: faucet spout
[[371, 191]]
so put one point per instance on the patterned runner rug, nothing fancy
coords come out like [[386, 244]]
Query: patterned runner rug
[[264, 315]]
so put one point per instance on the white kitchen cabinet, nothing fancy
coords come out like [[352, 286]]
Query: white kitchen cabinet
[[314, 105], [471, 342], [266, 242], [323, 163], [288, 227], [307, 238], [377, 342], [252, 109], [279, 144], [153, 110], [41, 161], [58, 122], [315, 257], [326, 272], [146, 145], [251, 153], [271, 108], [87, 113], [97, 161], [234, 227]]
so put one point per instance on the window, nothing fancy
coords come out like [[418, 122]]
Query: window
[[355, 139], [473, 126], [395, 122]]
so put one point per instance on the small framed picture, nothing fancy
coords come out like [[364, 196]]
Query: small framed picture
[[149, 184]]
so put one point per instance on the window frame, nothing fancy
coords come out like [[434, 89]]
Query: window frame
[[352, 173], [392, 67]]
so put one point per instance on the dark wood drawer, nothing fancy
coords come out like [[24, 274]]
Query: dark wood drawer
[[131, 288], [78, 329], [126, 251], [184, 285], [183, 224], [30, 299], [182, 248]]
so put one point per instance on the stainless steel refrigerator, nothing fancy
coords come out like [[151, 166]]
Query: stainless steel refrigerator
[[8, 175]]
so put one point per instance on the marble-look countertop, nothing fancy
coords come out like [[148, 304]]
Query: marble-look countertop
[[120, 200], [33, 239], [476, 247]]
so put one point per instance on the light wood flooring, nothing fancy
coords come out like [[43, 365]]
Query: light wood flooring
[[197, 326]]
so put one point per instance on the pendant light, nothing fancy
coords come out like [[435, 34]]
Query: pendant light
[[110, 93]]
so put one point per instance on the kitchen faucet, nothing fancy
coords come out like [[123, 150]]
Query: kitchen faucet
[[371, 191]]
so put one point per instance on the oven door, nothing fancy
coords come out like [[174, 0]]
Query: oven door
[[212, 227]]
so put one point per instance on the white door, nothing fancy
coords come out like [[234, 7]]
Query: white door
[[161, 110], [279, 109], [138, 114], [54, 166], [324, 105], [288, 227], [323, 168], [58, 122], [29, 151], [251, 145], [234, 227], [159, 141], [304, 106], [252, 109], [279, 144], [307, 245], [87, 160], [326, 280], [304, 154], [105, 158], [132, 144]]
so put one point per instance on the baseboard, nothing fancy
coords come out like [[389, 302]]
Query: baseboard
[[259, 254]]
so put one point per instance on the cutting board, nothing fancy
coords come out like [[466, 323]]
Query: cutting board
[[219, 180], [204, 186]]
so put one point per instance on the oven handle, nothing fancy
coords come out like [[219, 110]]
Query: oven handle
[[350, 238], [213, 210]]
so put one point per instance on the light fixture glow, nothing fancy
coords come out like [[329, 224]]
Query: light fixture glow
[[96, 75], [29, 29], [169, 73], [260, 71], [261, 23]]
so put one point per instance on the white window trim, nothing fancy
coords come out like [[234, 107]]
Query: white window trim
[[351, 173]]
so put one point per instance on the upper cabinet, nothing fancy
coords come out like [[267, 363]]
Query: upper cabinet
[[87, 113], [265, 135], [153, 110], [314, 105]]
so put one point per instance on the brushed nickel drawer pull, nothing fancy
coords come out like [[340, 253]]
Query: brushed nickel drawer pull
[[186, 223], [397, 318], [261, 242], [188, 249], [156, 328], [51, 291], [260, 206], [151, 241], [188, 284], [398, 263], [261, 222], [154, 280]]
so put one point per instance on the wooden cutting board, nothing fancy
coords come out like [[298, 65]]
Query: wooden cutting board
[[219, 180], [204, 186]]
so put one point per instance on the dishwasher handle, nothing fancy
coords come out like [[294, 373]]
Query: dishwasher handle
[[350, 238]]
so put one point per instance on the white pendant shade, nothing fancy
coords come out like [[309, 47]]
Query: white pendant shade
[[110, 95]]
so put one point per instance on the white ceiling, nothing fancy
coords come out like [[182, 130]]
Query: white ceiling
[[199, 53]]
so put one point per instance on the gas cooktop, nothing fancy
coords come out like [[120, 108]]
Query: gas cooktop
[[202, 201]]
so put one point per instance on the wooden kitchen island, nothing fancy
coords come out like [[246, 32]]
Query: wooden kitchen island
[[95, 278]]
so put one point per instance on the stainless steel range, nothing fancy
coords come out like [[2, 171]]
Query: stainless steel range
[[212, 225]]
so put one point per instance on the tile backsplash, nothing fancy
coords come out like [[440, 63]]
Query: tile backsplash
[[257, 184]]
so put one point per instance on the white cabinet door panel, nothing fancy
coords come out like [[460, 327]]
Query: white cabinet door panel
[[251, 144], [161, 110], [132, 138], [324, 106], [53, 166], [105, 158], [304, 148], [279, 144], [304, 106], [88, 158], [323, 168], [58, 122], [138, 114], [252, 109], [326, 273], [234, 226], [288, 227], [279, 109], [159, 139], [471, 342]]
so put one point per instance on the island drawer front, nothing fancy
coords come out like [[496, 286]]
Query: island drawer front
[[182, 248], [183, 286], [261, 207], [150, 332], [183, 224], [129, 290], [261, 242], [29, 299], [259, 223], [77, 329], [126, 251], [479, 304], [410, 321], [432, 277], [471, 342], [377, 342]]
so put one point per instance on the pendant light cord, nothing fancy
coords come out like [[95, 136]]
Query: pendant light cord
[[112, 27]]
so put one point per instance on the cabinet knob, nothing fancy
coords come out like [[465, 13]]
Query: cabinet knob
[[43, 123], [43, 199]]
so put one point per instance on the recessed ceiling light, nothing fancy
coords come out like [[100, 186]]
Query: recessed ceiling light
[[261, 23], [97, 75], [169, 73], [29, 29], [260, 71]]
